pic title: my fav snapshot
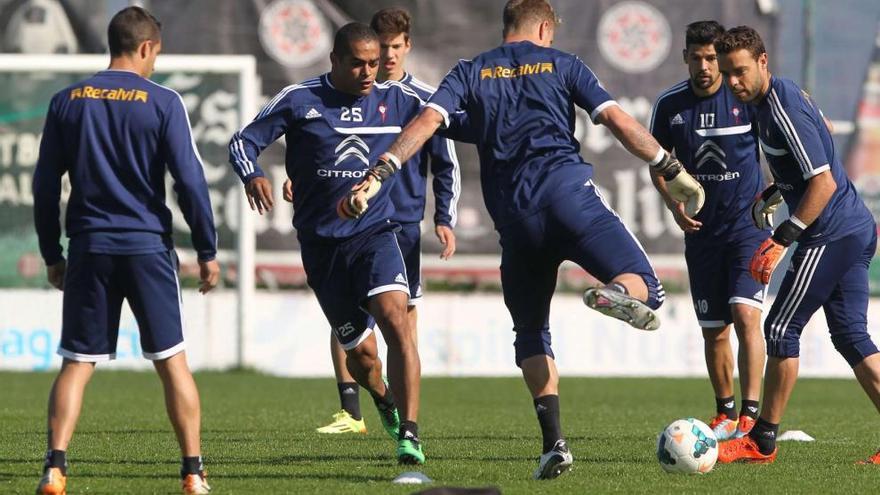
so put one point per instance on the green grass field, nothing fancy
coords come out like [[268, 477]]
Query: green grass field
[[258, 437]]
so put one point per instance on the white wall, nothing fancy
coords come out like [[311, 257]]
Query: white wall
[[458, 335]]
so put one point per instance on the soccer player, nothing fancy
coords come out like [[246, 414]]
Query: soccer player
[[519, 99], [714, 137], [835, 232], [408, 195], [115, 134], [334, 125]]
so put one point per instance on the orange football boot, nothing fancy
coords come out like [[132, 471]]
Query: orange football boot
[[744, 426], [743, 449], [874, 459], [723, 427], [52, 482], [195, 484]]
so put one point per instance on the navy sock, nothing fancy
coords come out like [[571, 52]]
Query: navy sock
[[764, 434], [349, 398], [547, 407], [409, 430], [384, 402], [56, 459], [727, 406], [191, 465], [749, 408]]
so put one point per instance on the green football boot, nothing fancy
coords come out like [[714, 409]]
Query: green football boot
[[388, 415], [409, 451]]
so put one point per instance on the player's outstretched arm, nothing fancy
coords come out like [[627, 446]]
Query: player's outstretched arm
[[638, 141], [685, 222], [414, 135]]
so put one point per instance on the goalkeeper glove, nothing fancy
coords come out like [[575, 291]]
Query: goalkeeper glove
[[772, 250], [765, 205], [682, 187], [355, 203]]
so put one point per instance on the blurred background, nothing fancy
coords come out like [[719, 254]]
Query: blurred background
[[831, 49]]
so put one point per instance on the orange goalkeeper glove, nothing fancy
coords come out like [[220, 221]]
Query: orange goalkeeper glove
[[773, 249]]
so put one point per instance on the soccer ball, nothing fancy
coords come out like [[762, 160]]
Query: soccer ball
[[687, 446]]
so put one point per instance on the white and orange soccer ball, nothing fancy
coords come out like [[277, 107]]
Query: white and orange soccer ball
[[687, 446]]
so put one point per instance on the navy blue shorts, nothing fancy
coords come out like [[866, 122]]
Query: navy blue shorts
[[345, 274], [94, 288], [410, 239], [578, 227], [719, 276], [833, 276]]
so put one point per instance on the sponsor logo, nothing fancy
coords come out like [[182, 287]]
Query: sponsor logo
[[499, 72], [709, 151], [352, 146], [716, 177], [400, 278], [341, 174], [634, 36], [677, 120], [118, 94], [313, 114]]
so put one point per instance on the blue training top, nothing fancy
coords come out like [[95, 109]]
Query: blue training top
[[715, 137], [519, 99], [332, 140], [115, 134], [798, 146]]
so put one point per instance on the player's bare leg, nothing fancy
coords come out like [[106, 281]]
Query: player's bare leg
[[404, 368], [365, 367], [719, 364], [868, 374], [750, 362], [542, 379], [65, 404], [624, 298], [181, 402], [412, 314], [540, 375], [348, 419], [760, 444], [719, 359], [778, 384], [185, 412]]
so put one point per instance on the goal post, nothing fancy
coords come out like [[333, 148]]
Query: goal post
[[221, 93]]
